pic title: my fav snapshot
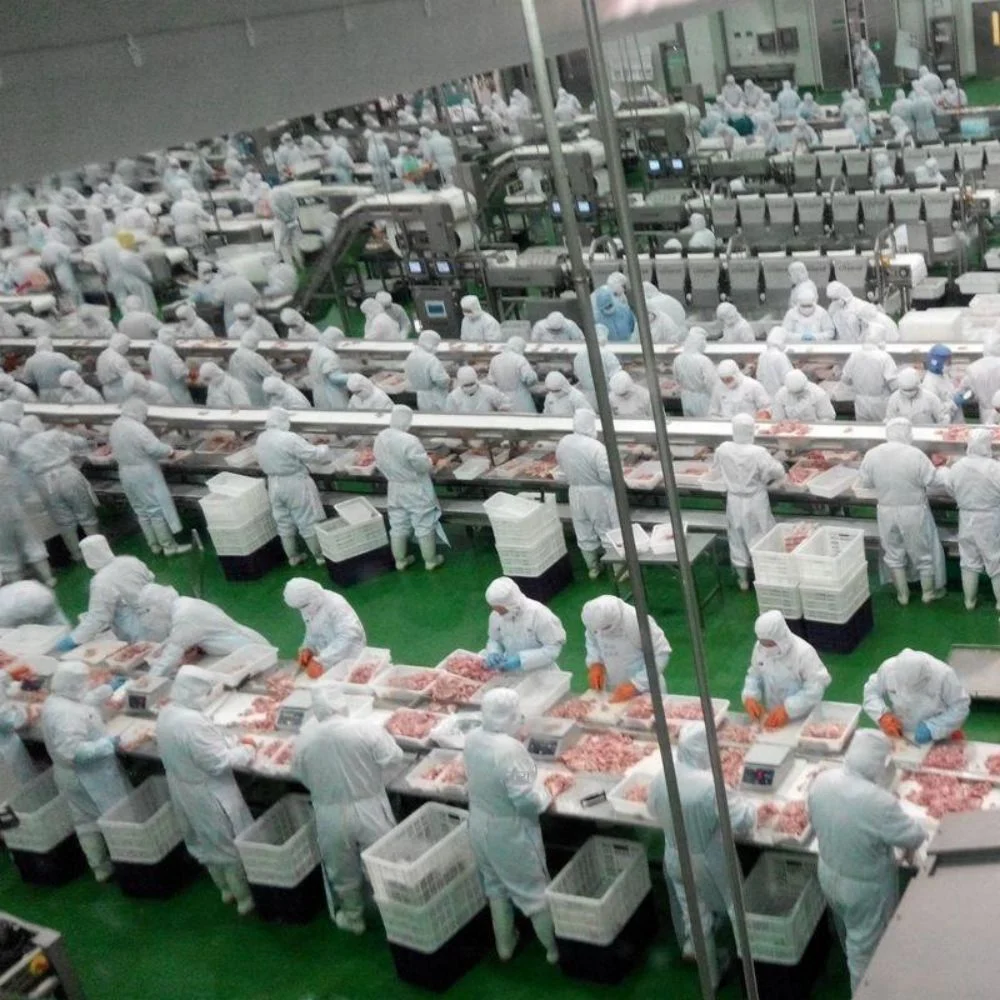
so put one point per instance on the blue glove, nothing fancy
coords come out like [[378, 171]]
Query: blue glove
[[922, 734], [116, 741], [959, 399], [808, 337], [65, 644], [117, 681], [494, 661], [512, 662]]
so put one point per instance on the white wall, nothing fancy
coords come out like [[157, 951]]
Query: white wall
[[758, 17], [706, 56], [911, 18]]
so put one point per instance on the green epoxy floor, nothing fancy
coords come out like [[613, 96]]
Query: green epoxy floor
[[192, 946]]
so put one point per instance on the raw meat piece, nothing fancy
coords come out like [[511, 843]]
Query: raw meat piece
[[362, 673], [450, 772], [940, 794], [559, 782], [99, 677], [261, 716], [130, 655], [640, 708], [939, 459], [468, 665], [732, 765], [574, 708], [793, 819], [411, 723], [7, 659], [411, 682], [796, 535], [731, 732], [18, 671], [364, 458], [690, 711], [606, 753], [793, 427], [824, 730], [800, 473], [947, 757], [955, 432], [280, 686], [993, 764], [637, 793], [453, 687]]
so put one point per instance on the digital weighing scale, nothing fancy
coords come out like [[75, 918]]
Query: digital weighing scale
[[547, 738], [142, 694], [765, 766], [294, 710]]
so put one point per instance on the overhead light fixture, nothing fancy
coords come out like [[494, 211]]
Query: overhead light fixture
[[135, 53], [250, 33]]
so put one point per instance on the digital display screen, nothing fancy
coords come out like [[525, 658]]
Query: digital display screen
[[760, 776], [443, 267], [654, 166], [556, 208], [677, 164], [583, 207], [416, 267], [435, 309]]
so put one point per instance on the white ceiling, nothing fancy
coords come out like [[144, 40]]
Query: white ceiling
[[71, 91]]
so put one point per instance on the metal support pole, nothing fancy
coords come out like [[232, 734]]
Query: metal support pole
[[620, 196], [575, 249]]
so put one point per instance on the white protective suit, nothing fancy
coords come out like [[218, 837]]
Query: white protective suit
[[189, 622], [250, 369], [16, 767], [695, 374], [232, 289], [223, 391], [737, 393], [628, 398], [396, 313], [136, 322], [806, 320], [136, 384], [581, 365], [735, 329], [472, 396], [112, 367], [10, 388], [848, 324], [278, 393], [871, 374], [901, 474], [84, 765], [556, 328], [478, 326], [561, 398], [248, 320], [365, 394], [20, 545], [112, 604], [788, 102], [296, 327], [883, 175], [505, 799], [930, 82], [345, 763], [659, 301], [28, 602], [702, 239], [413, 506], [287, 228], [982, 376], [334, 633], [800, 399], [747, 470], [426, 375], [167, 368], [379, 325], [199, 758], [612, 640], [922, 106], [929, 174], [801, 282], [326, 373], [583, 461], [190, 326], [911, 400], [522, 634], [917, 688], [858, 824], [511, 372], [43, 368]]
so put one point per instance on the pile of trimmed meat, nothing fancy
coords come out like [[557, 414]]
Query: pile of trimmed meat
[[732, 765], [606, 753], [130, 656], [451, 772], [793, 427], [468, 665], [947, 757], [558, 782], [280, 686], [573, 708], [412, 723], [732, 732], [453, 688], [362, 673], [274, 755], [941, 794], [411, 682], [637, 793], [790, 819], [687, 711], [823, 730], [261, 716], [992, 764]]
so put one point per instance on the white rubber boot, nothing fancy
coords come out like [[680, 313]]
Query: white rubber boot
[[970, 588], [95, 850], [428, 549], [400, 546], [743, 577], [218, 874], [290, 546], [592, 557], [43, 571], [166, 539], [312, 544], [350, 915], [902, 586], [504, 932], [542, 922], [928, 590], [996, 590], [72, 544], [240, 888], [146, 527]]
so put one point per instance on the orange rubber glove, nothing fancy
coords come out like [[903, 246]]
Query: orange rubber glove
[[597, 676], [957, 737], [248, 741], [891, 726], [625, 691], [754, 709], [305, 655], [314, 669], [777, 719]]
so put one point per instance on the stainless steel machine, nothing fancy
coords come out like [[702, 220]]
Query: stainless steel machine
[[34, 962]]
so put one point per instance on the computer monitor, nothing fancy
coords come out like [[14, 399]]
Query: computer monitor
[[443, 268], [435, 309], [678, 165], [654, 167], [584, 208], [416, 267], [555, 208]]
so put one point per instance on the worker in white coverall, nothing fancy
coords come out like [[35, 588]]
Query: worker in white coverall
[[472, 396], [583, 461], [901, 475], [111, 368], [735, 329], [84, 765], [365, 394], [556, 329], [798, 274], [247, 320], [138, 452], [73, 390], [284, 458], [858, 825], [334, 633], [46, 456], [581, 365], [982, 377], [395, 312], [287, 228], [249, 368], [379, 325], [478, 326], [28, 602], [296, 326], [701, 824], [199, 758], [628, 398], [505, 800], [168, 368], [20, 545], [695, 374], [512, 373], [917, 696], [136, 322], [10, 388], [800, 399], [561, 398], [522, 634], [786, 678], [181, 623], [911, 400], [136, 384], [345, 764], [871, 374], [747, 470], [16, 766], [278, 393], [808, 321], [614, 651], [974, 482], [43, 368], [223, 391], [426, 374], [737, 393], [413, 506], [326, 372]]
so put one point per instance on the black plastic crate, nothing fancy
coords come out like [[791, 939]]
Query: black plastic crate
[[796, 626], [366, 566], [555, 579], [160, 881], [841, 638], [610, 964], [56, 867], [440, 970], [792, 982], [297, 905], [252, 567]]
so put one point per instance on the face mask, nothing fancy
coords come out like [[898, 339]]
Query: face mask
[[470, 390], [807, 310]]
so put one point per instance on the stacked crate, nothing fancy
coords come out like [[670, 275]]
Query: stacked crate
[[354, 543], [238, 517], [776, 580]]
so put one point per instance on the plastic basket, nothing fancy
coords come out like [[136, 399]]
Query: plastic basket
[[830, 556], [594, 896], [142, 828], [244, 539], [280, 848], [518, 521], [45, 819], [772, 559], [225, 511], [247, 661], [835, 605], [779, 597], [339, 539], [839, 712], [426, 928], [833, 482], [425, 853], [534, 559], [356, 511], [783, 904], [242, 488]]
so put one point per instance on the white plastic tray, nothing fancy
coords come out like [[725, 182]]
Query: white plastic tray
[[830, 711], [417, 778], [401, 696]]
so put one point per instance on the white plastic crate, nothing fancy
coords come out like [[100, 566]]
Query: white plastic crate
[[830, 556], [357, 510], [595, 895], [280, 848], [833, 483], [518, 521], [834, 605], [142, 828], [534, 559], [245, 489], [247, 661], [426, 928], [427, 852], [245, 539], [779, 597], [45, 820], [784, 904], [839, 712], [340, 539], [618, 797], [772, 561], [224, 511]]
